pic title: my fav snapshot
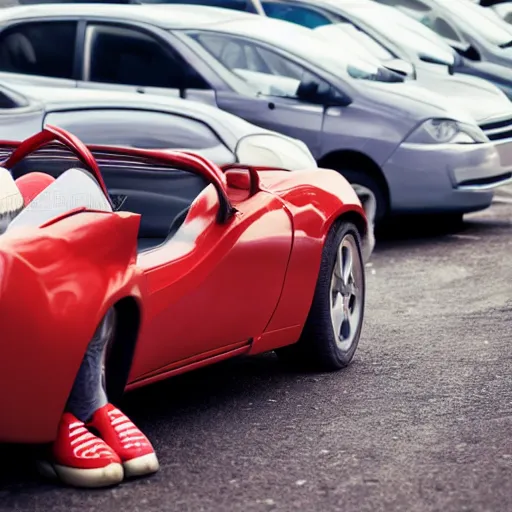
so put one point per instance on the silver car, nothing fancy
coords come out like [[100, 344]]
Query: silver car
[[148, 122], [412, 151], [473, 30]]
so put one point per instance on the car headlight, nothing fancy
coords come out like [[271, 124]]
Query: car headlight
[[447, 131]]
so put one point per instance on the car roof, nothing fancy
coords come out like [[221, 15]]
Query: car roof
[[230, 127], [343, 5], [166, 16]]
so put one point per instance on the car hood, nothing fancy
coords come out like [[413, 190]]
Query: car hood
[[411, 100], [479, 97]]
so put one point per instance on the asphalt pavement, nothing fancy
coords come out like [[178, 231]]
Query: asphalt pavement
[[421, 421]]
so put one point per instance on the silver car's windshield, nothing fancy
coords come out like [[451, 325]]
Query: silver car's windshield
[[355, 41], [294, 39], [405, 31], [485, 22]]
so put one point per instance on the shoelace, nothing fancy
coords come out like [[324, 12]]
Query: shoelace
[[129, 435], [85, 444]]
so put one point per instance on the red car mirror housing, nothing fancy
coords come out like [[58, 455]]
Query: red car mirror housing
[[253, 177]]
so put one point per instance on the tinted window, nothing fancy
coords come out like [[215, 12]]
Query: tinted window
[[295, 14], [268, 71], [139, 129], [414, 5], [481, 20], [10, 99], [45, 49], [236, 5], [131, 57], [276, 75], [444, 29]]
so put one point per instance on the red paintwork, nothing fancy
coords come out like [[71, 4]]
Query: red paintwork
[[233, 284]]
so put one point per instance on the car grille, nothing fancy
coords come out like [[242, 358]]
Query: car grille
[[498, 130]]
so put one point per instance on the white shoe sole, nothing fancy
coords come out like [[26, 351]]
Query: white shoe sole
[[112, 474], [144, 465]]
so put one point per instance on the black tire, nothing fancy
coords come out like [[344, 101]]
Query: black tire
[[318, 345], [364, 179]]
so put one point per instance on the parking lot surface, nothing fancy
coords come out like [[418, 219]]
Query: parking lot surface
[[421, 420]]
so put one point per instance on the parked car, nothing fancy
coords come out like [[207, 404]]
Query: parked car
[[148, 122], [410, 150], [242, 267], [400, 42], [476, 32], [407, 46], [409, 41], [504, 11]]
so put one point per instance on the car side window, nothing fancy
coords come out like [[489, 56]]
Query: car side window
[[303, 16], [236, 5], [136, 128], [410, 5], [126, 56], [39, 48], [444, 29], [272, 73]]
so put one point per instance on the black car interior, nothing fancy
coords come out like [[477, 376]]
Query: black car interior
[[162, 196]]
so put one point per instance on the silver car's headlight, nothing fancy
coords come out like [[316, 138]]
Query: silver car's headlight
[[447, 131]]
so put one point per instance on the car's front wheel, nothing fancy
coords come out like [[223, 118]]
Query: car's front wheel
[[333, 327]]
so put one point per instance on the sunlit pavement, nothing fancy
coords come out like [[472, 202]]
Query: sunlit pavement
[[421, 421]]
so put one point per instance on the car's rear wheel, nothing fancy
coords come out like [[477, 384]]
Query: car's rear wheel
[[333, 327]]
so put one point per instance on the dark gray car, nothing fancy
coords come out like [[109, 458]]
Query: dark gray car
[[407, 149]]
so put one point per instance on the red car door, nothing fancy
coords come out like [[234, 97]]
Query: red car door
[[213, 286]]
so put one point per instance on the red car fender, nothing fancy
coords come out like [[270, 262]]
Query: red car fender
[[56, 283], [315, 199]]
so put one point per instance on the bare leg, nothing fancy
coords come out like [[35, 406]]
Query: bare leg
[[88, 393]]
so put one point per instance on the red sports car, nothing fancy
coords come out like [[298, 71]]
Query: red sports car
[[200, 263]]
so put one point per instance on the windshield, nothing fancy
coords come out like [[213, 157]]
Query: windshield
[[485, 22], [355, 41], [236, 51], [405, 31]]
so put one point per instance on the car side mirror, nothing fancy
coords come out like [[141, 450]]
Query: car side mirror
[[242, 182], [466, 50], [432, 59], [311, 91], [401, 67], [308, 91]]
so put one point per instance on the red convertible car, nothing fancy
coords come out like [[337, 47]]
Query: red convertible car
[[200, 264]]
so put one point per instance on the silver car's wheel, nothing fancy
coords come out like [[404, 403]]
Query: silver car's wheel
[[371, 191], [346, 293], [333, 327], [368, 202]]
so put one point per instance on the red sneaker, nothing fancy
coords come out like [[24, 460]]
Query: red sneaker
[[81, 459], [132, 446]]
